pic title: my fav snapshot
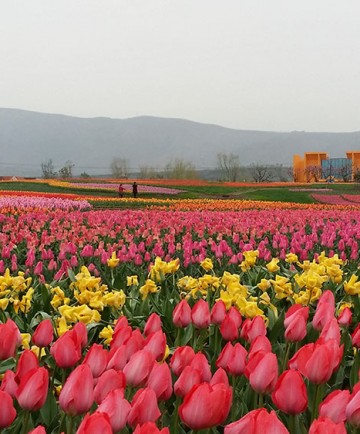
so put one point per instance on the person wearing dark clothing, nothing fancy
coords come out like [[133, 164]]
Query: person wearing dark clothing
[[135, 189]]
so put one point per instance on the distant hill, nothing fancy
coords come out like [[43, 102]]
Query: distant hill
[[29, 138]]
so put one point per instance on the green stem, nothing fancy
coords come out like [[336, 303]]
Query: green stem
[[175, 418], [292, 424], [70, 424], [261, 400], [286, 358], [317, 399], [26, 421]]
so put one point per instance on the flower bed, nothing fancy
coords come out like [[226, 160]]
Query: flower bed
[[154, 321]]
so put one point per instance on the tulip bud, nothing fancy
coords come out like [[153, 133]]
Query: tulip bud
[[44, 334], [323, 425], [8, 412], [200, 314], [117, 408], [144, 408], [95, 423], [290, 394], [181, 358], [182, 314], [33, 389]]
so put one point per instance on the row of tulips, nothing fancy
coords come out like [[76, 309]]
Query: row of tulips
[[212, 370]]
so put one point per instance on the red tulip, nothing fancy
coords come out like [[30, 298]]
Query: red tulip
[[94, 424], [331, 330], [290, 395], [295, 323], [27, 361], [44, 334], [10, 339], [219, 376], [77, 394], [181, 358], [200, 314], [117, 408], [156, 344], [334, 405], [262, 371], [257, 421], [66, 350], [153, 324], [8, 383], [235, 315], [201, 363], [33, 389], [323, 425], [229, 329], [260, 343], [251, 328], [160, 381], [138, 368], [144, 408], [206, 406], [7, 412], [355, 337], [38, 430], [182, 314], [218, 312], [325, 310], [120, 336], [232, 359], [344, 319], [318, 361], [108, 381], [97, 359], [80, 330], [117, 358], [150, 428], [352, 409], [187, 379]]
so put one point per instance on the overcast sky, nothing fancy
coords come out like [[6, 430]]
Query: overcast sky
[[277, 65]]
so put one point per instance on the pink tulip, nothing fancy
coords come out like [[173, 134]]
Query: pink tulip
[[156, 344], [160, 381], [94, 424], [144, 408], [66, 350], [206, 406], [200, 314], [218, 312], [139, 367], [290, 394], [8, 412], [8, 383], [44, 334], [27, 361], [257, 421], [77, 395], [253, 328], [108, 381], [187, 379], [325, 310], [33, 389], [10, 339], [262, 371], [117, 408], [323, 425], [334, 406], [153, 324], [181, 358], [344, 319], [97, 359], [150, 428], [182, 314], [229, 329]]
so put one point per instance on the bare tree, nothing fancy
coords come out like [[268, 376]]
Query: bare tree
[[229, 166], [119, 168], [148, 172], [313, 173], [261, 172], [345, 172], [66, 171], [180, 169], [47, 168]]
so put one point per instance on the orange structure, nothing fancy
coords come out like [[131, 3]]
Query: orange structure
[[316, 166]]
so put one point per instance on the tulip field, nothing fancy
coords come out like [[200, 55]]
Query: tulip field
[[182, 316]]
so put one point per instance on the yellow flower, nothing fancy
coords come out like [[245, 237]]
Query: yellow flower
[[282, 287], [62, 326], [4, 303], [25, 340], [264, 285], [149, 288], [207, 264], [132, 281], [249, 309], [36, 351], [352, 287], [113, 261], [291, 258], [335, 273], [272, 266], [343, 305], [114, 299], [107, 334]]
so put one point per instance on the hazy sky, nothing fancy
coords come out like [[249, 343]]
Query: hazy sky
[[250, 64]]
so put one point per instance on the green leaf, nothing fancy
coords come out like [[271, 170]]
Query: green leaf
[[49, 411]]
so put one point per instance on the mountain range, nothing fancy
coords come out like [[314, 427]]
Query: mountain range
[[29, 138]]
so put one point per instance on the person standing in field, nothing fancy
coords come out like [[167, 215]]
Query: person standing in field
[[135, 189], [121, 190]]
